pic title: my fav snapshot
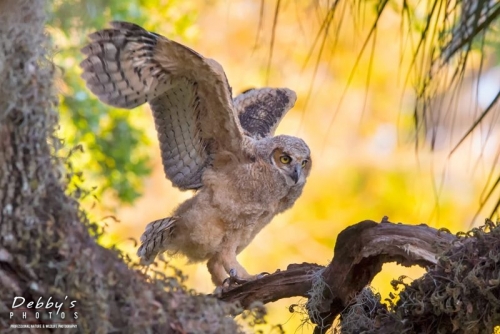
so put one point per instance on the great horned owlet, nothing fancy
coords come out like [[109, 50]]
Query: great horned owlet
[[223, 148]]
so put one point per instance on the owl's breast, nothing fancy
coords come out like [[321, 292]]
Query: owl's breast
[[262, 183], [292, 195], [250, 189]]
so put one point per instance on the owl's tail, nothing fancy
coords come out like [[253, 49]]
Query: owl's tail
[[155, 238], [120, 67]]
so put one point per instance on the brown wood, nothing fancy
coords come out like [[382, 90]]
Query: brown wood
[[360, 252]]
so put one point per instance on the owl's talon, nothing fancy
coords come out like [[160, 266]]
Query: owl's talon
[[233, 279], [263, 274]]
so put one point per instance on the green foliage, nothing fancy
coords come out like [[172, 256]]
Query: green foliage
[[81, 14], [118, 143]]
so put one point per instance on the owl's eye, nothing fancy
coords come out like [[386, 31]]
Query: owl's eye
[[285, 159], [304, 163]]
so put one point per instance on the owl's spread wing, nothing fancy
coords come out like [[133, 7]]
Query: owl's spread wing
[[261, 110], [189, 95]]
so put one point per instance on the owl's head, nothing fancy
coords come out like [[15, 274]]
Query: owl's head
[[292, 157]]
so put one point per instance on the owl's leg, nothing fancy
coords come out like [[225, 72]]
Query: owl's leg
[[224, 263], [237, 274], [232, 266], [216, 269]]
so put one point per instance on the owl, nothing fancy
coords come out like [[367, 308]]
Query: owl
[[222, 148]]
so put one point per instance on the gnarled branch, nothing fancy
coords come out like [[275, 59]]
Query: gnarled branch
[[360, 252]]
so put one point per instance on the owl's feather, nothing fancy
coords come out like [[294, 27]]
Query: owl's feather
[[191, 99], [154, 236], [261, 110]]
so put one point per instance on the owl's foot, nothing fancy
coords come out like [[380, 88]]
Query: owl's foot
[[234, 279]]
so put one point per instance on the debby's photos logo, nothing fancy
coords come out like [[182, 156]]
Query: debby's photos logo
[[43, 313]]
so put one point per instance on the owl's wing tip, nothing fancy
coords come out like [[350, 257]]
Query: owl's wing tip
[[125, 25], [260, 110], [291, 94], [145, 258]]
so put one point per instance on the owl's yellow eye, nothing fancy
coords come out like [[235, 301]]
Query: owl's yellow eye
[[285, 159], [304, 163]]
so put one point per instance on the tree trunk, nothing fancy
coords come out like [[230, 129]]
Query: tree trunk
[[45, 248]]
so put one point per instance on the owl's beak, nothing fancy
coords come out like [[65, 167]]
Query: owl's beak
[[296, 173]]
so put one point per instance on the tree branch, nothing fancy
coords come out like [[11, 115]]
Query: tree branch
[[360, 252]]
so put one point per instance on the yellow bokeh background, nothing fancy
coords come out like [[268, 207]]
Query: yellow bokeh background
[[360, 132]]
